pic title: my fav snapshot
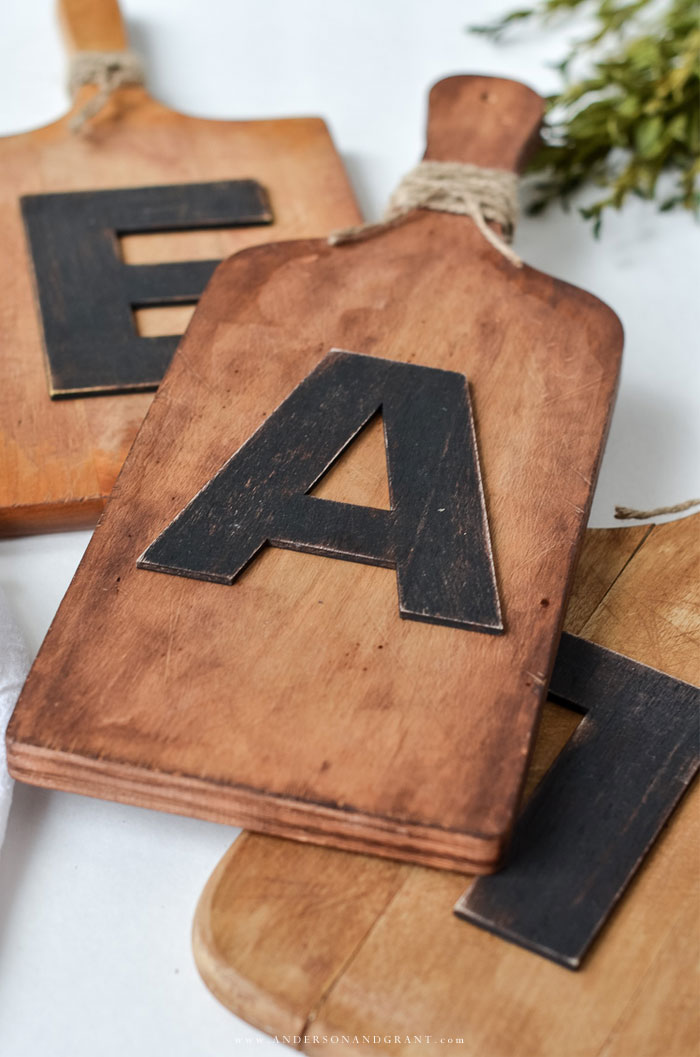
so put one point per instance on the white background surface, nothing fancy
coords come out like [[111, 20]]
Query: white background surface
[[96, 899]]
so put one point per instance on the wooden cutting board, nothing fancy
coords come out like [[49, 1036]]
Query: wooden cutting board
[[303, 941], [59, 458], [296, 701]]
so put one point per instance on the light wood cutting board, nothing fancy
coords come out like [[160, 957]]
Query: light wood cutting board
[[310, 942], [59, 459]]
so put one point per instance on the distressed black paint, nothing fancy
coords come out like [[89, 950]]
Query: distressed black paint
[[86, 293], [436, 533], [599, 808]]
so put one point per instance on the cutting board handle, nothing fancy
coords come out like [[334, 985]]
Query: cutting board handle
[[487, 121], [92, 25]]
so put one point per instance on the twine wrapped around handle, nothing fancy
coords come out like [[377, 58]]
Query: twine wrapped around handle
[[451, 187], [109, 70]]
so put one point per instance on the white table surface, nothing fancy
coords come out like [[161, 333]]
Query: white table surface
[[96, 899]]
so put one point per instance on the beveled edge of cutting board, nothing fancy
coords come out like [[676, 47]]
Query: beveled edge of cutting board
[[232, 805]]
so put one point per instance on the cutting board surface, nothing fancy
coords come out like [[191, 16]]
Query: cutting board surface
[[297, 701], [59, 460], [310, 942]]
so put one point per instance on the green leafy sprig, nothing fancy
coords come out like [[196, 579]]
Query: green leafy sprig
[[635, 115]]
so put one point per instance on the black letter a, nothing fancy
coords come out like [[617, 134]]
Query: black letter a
[[435, 534]]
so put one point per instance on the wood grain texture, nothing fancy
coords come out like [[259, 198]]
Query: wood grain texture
[[297, 702], [58, 463], [92, 25], [271, 955]]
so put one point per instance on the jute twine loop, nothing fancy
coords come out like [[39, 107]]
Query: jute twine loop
[[451, 187], [628, 513], [483, 195], [109, 70]]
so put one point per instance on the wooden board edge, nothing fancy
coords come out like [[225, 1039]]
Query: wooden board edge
[[69, 516], [231, 988], [235, 806]]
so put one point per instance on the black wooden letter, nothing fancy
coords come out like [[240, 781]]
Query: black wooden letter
[[597, 811], [436, 532], [86, 293]]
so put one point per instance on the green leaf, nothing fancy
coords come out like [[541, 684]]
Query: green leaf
[[632, 114], [647, 136]]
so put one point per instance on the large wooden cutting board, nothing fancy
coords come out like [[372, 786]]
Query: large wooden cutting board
[[59, 459], [297, 701], [310, 942]]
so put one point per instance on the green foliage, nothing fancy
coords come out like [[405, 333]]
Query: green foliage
[[634, 116]]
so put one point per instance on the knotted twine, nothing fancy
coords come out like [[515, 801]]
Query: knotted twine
[[482, 194], [109, 70], [451, 187]]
